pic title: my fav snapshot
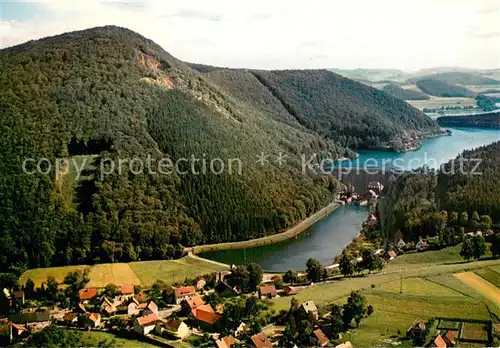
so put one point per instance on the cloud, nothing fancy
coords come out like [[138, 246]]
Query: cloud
[[193, 14]]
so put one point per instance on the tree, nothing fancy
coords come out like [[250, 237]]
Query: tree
[[111, 290], [355, 309], [486, 222], [314, 270], [29, 288], [336, 321], [464, 219], [467, 251], [8, 281], [371, 261], [346, 266], [52, 288], [290, 277], [495, 245], [478, 247], [255, 275]]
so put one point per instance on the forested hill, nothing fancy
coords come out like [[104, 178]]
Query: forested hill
[[449, 202], [110, 93], [486, 120], [458, 78], [404, 94], [442, 89]]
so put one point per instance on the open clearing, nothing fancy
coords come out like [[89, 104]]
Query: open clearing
[[430, 290], [39, 275], [490, 274], [174, 270], [438, 102], [419, 286], [94, 338], [112, 273], [143, 273], [487, 289]]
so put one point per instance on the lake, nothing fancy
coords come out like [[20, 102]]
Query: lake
[[322, 241], [434, 152], [326, 239]]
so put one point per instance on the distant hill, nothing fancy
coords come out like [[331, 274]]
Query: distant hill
[[489, 120], [458, 78], [110, 93], [404, 94], [442, 89], [373, 75]]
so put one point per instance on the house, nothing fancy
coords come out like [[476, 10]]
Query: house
[[145, 324], [108, 308], [289, 290], [417, 328], [224, 290], [261, 341], [200, 284], [141, 297], [268, 291], [92, 320], [172, 327], [225, 342], [347, 344], [438, 342], [421, 245], [240, 329], [401, 244], [16, 331], [151, 308], [39, 315], [70, 318], [194, 302], [85, 295], [127, 291], [19, 296], [310, 307], [321, 337], [391, 254], [450, 338], [205, 316], [133, 307], [5, 300], [181, 293], [375, 186]]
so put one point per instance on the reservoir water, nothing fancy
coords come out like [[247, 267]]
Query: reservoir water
[[326, 239]]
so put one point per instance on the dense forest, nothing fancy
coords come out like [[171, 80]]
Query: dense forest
[[439, 88], [343, 110], [109, 93], [458, 78], [404, 94], [420, 204], [489, 120]]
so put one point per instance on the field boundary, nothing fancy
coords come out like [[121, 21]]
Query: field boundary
[[268, 240]]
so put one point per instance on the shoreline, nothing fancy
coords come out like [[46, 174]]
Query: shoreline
[[267, 240]]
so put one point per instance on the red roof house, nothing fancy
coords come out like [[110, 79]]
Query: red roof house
[[87, 294]]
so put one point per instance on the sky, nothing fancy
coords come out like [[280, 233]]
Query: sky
[[283, 34]]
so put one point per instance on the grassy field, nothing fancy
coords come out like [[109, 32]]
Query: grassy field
[[143, 273], [437, 102], [273, 239], [93, 338], [482, 286], [112, 273], [39, 275], [430, 290], [446, 255], [176, 270], [491, 274], [395, 312], [419, 287]]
